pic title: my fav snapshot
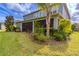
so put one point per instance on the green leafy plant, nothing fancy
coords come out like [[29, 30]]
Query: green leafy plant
[[73, 26], [39, 28], [40, 37], [59, 36], [64, 30], [9, 23], [65, 26], [52, 31]]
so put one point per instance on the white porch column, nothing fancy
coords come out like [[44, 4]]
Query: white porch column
[[55, 23], [21, 27], [33, 26]]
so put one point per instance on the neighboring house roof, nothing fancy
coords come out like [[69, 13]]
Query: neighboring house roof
[[18, 21], [1, 22]]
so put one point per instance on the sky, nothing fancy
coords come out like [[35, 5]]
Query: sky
[[15, 9], [74, 12], [19, 9]]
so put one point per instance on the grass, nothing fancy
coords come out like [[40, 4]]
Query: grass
[[19, 44], [2, 30]]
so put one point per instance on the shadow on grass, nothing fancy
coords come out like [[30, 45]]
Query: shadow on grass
[[60, 46], [51, 47]]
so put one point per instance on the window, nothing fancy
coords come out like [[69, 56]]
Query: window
[[39, 14], [61, 9], [0, 26], [54, 11]]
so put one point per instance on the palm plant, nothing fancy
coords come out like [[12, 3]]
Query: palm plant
[[47, 7]]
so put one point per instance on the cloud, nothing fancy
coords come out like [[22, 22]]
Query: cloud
[[19, 7], [74, 12], [3, 12], [15, 9], [2, 19], [72, 8]]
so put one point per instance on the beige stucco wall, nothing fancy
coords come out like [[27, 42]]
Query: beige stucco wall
[[3, 26], [19, 25], [55, 23], [64, 13]]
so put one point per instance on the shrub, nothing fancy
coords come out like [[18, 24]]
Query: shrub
[[64, 30], [17, 29], [40, 30], [40, 37], [58, 36], [39, 27], [65, 26], [52, 31], [73, 27]]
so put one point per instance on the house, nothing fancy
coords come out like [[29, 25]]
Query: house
[[27, 25], [76, 25], [16, 23], [57, 14], [2, 26]]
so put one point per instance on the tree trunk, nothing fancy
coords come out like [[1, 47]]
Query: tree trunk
[[48, 24]]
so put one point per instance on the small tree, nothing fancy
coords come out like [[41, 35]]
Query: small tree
[[65, 26], [47, 7], [9, 22], [73, 27]]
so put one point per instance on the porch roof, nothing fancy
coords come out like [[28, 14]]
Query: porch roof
[[42, 18]]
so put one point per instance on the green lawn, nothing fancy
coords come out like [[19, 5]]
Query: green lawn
[[17, 43]]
